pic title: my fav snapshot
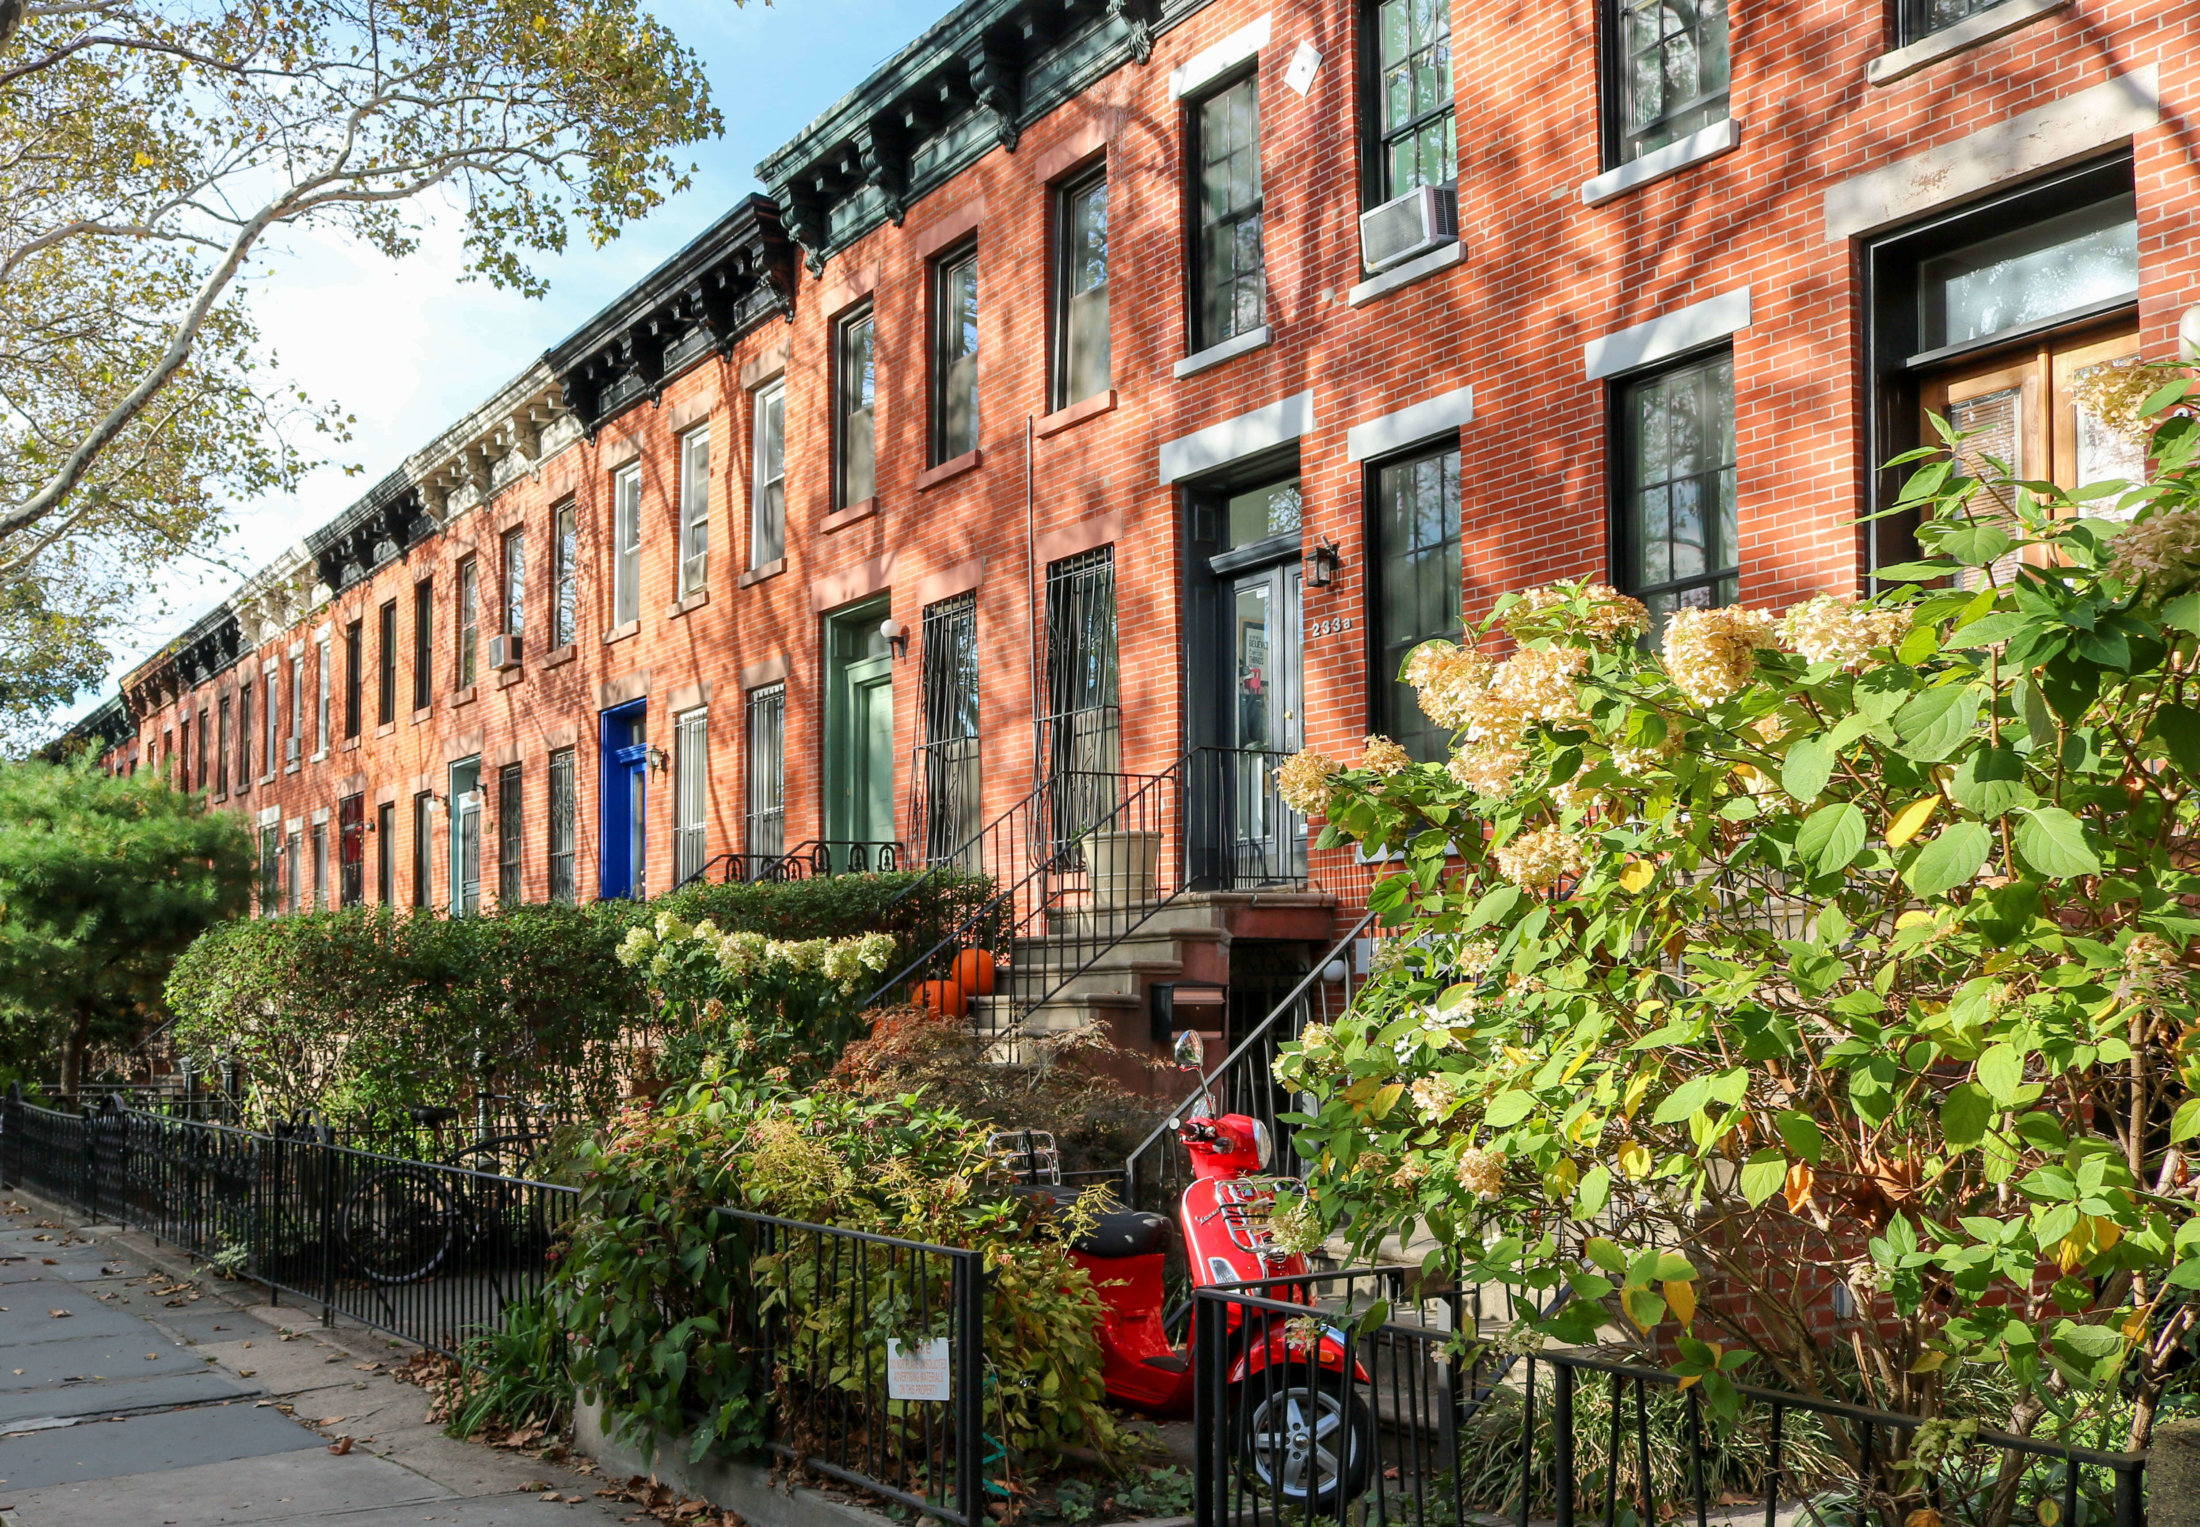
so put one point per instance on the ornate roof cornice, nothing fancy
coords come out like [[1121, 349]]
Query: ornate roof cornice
[[970, 84], [522, 425], [737, 274]]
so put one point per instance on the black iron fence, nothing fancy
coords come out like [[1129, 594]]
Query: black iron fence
[[426, 1250], [811, 859], [873, 1348], [1347, 1397]]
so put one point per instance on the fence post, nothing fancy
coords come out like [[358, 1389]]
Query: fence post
[[327, 1153], [11, 1134], [969, 1295], [1208, 1366], [1562, 1437]]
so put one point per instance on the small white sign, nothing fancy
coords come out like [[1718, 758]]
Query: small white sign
[[1306, 62], [919, 1371]]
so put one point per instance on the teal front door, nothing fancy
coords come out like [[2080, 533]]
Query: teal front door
[[859, 738]]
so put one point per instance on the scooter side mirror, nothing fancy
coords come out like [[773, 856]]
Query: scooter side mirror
[[1191, 1051]]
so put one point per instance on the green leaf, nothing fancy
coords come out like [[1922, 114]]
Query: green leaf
[[1595, 1191], [1763, 1175], [2001, 1073], [1965, 1115], [1990, 781], [1988, 629], [1831, 836], [1802, 1135], [1952, 858], [1508, 1108], [1683, 1101], [1606, 1255], [1934, 724], [2185, 1123], [2183, 612], [1976, 545], [1807, 767], [2053, 842], [2177, 729], [1493, 905]]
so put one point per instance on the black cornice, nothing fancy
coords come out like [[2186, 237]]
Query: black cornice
[[387, 522], [209, 646], [105, 726], [970, 84], [737, 274]]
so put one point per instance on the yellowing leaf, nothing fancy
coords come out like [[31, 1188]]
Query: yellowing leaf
[[1910, 820], [1637, 875], [1929, 1362], [1912, 918], [1634, 1159], [1800, 1180], [1682, 1297]]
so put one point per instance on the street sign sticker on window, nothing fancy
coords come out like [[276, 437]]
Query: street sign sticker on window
[[918, 1370]]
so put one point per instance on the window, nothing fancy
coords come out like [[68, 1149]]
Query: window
[[1666, 73], [423, 847], [764, 825], [2047, 271], [565, 589], [385, 675], [385, 860], [955, 356], [469, 621], [205, 731], [292, 857], [1415, 595], [1676, 538], [626, 545], [510, 806], [514, 559], [423, 644], [695, 511], [271, 870], [691, 793], [244, 734], [1231, 282], [562, 798], [855, 379], [1081, 367], [948, 769], [274, 722], [351, 851], [320, 866], [320, 698], [355, 662], [1412, 133], [221, 753], [1922, 18], [768, 491]]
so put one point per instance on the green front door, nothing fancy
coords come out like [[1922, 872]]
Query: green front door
[[859, 734]]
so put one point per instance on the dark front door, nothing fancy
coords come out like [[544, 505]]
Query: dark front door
[[625, 815]]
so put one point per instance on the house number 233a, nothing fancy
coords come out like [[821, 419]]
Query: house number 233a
[[1332, 626]]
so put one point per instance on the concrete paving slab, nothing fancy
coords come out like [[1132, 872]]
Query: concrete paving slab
[[108, 1397], [27, 1317], [197, 1325], [282, 1487], [169, 1439], [142, 1353]]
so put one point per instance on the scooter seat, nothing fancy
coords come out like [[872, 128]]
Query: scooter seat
[[1125, 1233]]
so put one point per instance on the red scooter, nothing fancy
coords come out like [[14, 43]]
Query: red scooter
[[1302, 1428]]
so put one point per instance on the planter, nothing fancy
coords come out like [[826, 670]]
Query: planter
[[1125, 866]]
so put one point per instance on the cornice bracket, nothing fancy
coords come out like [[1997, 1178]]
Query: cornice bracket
[[997, 82]]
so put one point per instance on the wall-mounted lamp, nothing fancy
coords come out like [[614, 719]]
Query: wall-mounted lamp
[[1327, 559], [657, 758], [897, 636]]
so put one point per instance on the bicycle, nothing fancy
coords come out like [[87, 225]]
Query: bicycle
[[407, 1220]]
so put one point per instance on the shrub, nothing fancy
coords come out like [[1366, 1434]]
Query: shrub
[[1859, 939]]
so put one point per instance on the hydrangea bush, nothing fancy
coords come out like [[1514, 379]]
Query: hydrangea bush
[[1850, 946]]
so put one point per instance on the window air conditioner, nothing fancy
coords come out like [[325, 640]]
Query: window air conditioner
[[1425, 218], [503, 652], [290, 749]]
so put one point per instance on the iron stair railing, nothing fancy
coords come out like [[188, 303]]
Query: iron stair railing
[[813, 859]]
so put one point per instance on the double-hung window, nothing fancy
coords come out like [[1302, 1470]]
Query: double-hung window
[[1415, 597], [423, 847], [1677, 536], [955, 356], [626, 545], [1081, 362], [423, 644], [274, 723], [469, 621], [562, 802], [768, 486], [320, 865], [1666, 73], [293, 868], [695, 511], [351, 851], [1413, 137], [244, 734], [385, 863], [297, 711], [221, 754], [764, 828], [271, 870], [1229, 275], [511, 805], [514, 550], [355, 662], [320, 698], [855, 409], [385, 673], [564, 578], [691, 787]]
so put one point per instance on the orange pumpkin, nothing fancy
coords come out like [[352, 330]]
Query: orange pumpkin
[[942, 997], [974, 972]]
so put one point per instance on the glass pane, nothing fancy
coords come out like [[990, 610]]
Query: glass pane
[[1255, 724], [1262, 512], [2073, 261]]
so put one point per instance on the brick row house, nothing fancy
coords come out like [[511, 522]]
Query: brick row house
[[1107, 394]]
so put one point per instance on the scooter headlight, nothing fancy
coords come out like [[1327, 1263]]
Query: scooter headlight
[[1264, 1143]]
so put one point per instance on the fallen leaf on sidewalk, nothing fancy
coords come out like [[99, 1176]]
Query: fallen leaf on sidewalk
[[245, 1373], [58, 1314], [340, 1446], [49, 1261], [331, 1421], [152, 1357]]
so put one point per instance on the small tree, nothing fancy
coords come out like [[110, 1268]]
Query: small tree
[[104, 881], [1857, 942]]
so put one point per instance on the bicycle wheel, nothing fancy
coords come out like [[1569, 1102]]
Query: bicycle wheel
[[399, 1225], [507, 1214]]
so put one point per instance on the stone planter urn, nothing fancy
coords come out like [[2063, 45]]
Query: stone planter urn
[[1125, 866]]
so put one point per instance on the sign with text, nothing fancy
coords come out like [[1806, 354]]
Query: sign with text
[[918, 1370]]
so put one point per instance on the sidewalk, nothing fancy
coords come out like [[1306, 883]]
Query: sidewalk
[[131, 1397]]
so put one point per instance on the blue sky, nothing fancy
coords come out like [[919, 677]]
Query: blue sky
[[408, 347]]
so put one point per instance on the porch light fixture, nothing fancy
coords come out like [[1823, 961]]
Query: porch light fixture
[[1327, 559], [657, 758], [897, 636]]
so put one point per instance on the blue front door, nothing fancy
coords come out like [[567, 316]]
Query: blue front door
[[625, 814]]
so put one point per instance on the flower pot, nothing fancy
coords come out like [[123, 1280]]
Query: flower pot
[[1124, 866]]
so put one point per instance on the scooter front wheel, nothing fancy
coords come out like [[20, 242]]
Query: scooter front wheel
[[1306, 1438]]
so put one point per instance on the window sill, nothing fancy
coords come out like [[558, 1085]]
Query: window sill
[[464, 696], [621, 633], [422, 713], [848, 516], [687, 602], [350, 745], [1228, 350], [267, 779], [507, 677], [1077, 413], [759, 573], [320, 757], [948, 470], [564, 654], [291, 768], [1683, 153], [1968, 33], [386, 729], [1415, 269]]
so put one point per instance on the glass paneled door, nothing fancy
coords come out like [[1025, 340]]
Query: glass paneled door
[[1262, 719], [466, 837]]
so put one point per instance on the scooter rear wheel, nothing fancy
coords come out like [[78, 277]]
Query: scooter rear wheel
[[1306, 1438]]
